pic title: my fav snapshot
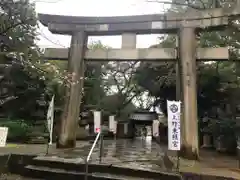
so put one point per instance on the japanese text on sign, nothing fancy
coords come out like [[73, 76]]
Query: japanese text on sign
[[174, 133]]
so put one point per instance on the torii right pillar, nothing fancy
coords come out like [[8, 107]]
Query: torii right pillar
[[189, 123]]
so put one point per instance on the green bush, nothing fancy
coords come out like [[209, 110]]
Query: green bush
[[226, 130], [17, 129]]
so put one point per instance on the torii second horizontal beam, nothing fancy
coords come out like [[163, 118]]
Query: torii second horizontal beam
[[148, 54]]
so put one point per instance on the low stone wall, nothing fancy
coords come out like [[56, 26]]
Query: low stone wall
[[4, 164], [17, 162], [14, 163]]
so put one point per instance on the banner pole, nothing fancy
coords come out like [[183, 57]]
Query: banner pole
[[47, 148], [178, 161]]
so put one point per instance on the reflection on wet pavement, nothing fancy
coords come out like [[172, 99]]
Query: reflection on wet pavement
[[133, 153]]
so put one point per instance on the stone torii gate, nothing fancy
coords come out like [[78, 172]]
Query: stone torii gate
[[184, 25]]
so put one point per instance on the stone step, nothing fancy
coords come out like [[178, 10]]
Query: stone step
[[78, 166], [58, 159], [53, 173], [37, 141], [75, 164], [120, 177]]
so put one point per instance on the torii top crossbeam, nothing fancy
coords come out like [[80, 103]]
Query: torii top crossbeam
[[141, 24]]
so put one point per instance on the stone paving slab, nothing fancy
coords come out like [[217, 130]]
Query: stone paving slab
[[36, 149]]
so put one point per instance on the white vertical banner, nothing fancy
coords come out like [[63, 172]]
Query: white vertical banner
[[155, 128], [112, 124], [174, 132], [125, 128], [97, 121], [50, 119], [3, 136]]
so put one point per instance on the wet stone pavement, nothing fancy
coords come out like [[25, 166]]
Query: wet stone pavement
[[148, 155], [138, 154], [135, 153]]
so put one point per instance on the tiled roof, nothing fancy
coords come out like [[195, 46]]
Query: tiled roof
[[146, 116]]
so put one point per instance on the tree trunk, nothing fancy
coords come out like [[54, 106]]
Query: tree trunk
[[73, 96]]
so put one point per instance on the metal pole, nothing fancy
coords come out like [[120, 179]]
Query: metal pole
[[47, 149], [238, 160], [48, 141], [86, 171], [178, 161], [101, 148], [238, 155], [238, 150], [90, 153]]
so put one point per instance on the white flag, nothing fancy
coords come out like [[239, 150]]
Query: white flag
[[50, 118], [97, 121], [112, 124], [155, 128], [174, 132]]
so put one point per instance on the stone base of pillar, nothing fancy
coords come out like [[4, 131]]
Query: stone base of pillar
[[187, 152], [81, 133], [69, 144], [219, 144], [207, 141], [66, 144]]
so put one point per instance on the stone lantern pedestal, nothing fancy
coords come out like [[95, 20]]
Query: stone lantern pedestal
[[219, 144], [207, 141]]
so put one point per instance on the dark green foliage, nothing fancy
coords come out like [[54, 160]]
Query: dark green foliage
[[18, 129], [93, 91], [18, 23], [21, 84], [218, 82], [25, 90]]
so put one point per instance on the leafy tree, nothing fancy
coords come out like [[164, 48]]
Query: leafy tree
[[20, 93], [21, 83], [93, 87], [110, 86], [119, 83], [18, 24], [218, 82], [57, 79]]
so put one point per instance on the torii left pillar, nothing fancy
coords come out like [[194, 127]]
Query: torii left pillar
[[73, 91]]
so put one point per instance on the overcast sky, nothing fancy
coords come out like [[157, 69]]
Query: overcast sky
[[96, 8]]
